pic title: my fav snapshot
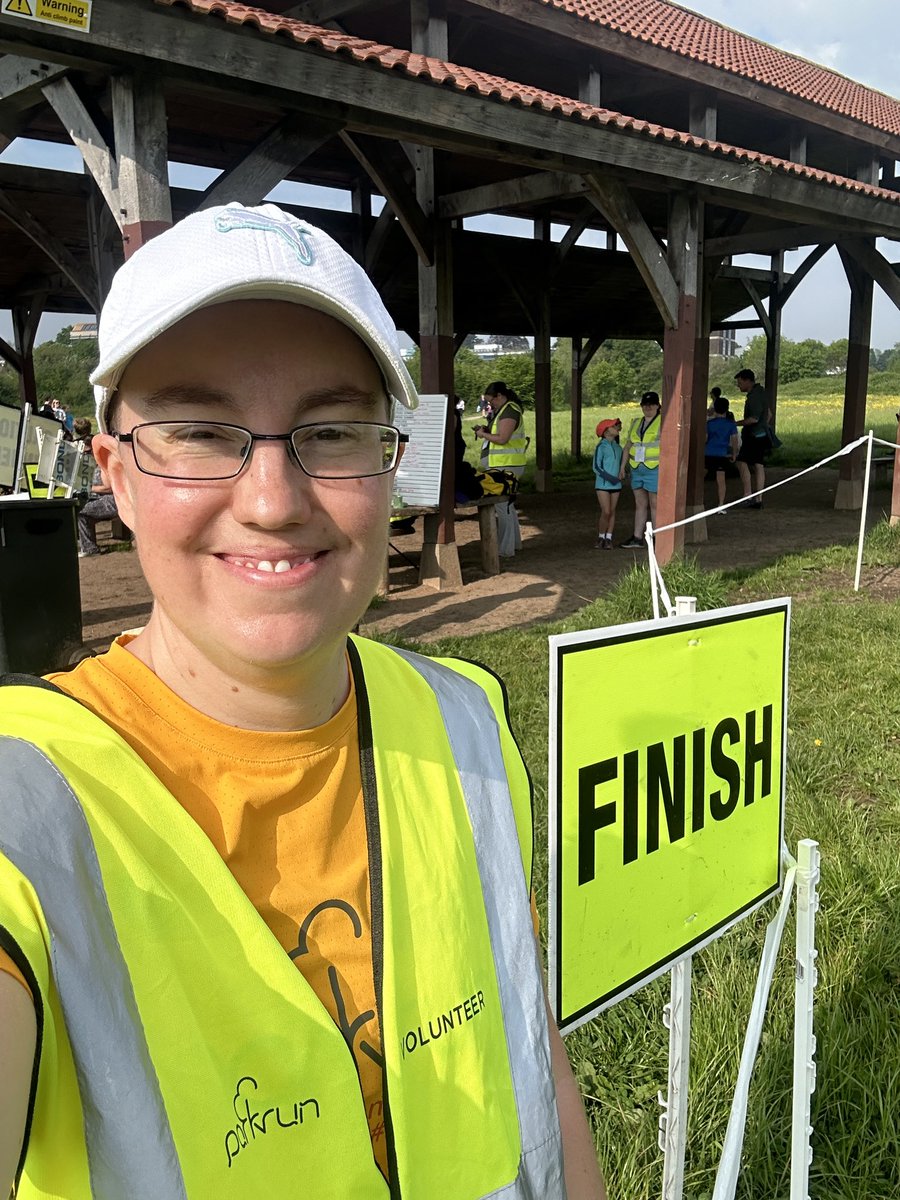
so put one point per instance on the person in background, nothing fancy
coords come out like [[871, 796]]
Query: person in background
[[721, 442], [755, 443], [264, 883], [607, 482], [506, 445], [640, 455], [714, 395], [101, 504]]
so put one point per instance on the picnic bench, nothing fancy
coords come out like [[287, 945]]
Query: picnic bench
[[487, 533]]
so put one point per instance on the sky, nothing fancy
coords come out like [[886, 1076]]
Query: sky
[[862, 41]]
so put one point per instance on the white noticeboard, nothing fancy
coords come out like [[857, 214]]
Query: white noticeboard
[[418, 479], [10, 420]]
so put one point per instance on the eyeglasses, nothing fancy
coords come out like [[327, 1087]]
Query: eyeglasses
[[198, 450]]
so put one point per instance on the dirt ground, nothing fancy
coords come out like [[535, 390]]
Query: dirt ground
[[556, 573]]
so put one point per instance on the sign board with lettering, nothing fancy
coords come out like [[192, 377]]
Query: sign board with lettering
[[667, 762], [73, 14], [10, 421], [418, 478]]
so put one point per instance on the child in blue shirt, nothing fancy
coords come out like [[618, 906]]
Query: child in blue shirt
[[721, 441], [607, 464]]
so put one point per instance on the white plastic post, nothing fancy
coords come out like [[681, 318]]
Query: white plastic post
[[673, 1120], [865, 509], [804, 1038], [677, 1019]]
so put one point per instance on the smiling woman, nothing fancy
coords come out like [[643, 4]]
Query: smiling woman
[[244, 762]]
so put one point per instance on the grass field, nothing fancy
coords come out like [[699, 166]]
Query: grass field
[[844, 791], [809, 426]]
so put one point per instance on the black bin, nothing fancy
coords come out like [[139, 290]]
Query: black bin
[[40, 601]]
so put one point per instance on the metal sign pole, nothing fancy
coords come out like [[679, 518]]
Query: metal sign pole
[[804, 1038]]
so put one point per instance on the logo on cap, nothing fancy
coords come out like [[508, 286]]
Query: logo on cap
[[292, 232]]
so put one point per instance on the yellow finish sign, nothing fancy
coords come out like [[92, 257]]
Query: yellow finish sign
[[74, 14], [667, 759]]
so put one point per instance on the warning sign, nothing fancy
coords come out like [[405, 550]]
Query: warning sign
[[667, 759], [75, 14]]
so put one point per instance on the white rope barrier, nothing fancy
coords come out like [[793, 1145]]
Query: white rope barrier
[[657, 584]]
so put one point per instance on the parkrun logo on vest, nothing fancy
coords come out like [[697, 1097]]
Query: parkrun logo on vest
[[445, 1022], [254, 1121]]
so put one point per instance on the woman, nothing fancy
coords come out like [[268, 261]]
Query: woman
[[506, 446], [641, 454]]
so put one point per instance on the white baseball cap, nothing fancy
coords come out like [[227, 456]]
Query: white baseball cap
[[238, 253]]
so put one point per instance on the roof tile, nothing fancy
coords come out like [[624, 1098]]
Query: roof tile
[[671, 27], [493, 86]]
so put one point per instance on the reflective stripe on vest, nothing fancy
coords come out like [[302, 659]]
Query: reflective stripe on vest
[[650, 444], [511, 453], [474, 738], [128, 1142]]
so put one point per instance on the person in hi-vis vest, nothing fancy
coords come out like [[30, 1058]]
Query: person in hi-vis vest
[[506, 445], [255, 939], [640, 456]]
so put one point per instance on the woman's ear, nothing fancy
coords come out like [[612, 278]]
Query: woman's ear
[[108, 452]]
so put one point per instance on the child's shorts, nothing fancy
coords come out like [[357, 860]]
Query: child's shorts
[[603, 486]]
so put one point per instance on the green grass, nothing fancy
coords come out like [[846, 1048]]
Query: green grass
[[809, 424], [844, 791]]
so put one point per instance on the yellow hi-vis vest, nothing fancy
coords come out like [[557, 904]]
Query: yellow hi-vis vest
[[649, 443], [180, 1051], [511, 453]]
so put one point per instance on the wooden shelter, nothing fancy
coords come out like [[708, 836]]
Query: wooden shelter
[[683, 141]]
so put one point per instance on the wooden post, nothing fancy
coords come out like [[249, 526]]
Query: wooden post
[[895, 489], [679, 351], [25, 318], [139, 120], [440, 557], [773, 338], [850, 482], [576, 377], [696, 501], [543, 437]]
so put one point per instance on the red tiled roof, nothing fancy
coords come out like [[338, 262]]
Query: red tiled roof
[[687, 33], [463, 79]]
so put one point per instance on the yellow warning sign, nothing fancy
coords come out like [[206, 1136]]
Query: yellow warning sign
[[74, 14], [667, 759]]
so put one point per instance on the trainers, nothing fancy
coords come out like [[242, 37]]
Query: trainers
[[600, 543], [633, 543]]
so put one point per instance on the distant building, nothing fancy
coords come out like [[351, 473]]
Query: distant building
[[83, 331], [724, 343]]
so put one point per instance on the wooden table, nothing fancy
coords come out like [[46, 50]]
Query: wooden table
[[487, 530]]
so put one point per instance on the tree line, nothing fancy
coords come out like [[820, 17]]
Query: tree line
[[617, 374]]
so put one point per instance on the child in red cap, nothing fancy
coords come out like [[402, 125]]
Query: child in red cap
[[607, 464]]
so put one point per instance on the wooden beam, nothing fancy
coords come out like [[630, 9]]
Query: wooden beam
[[22, 80], [11, 355], [524, 189], [617, 205], [393, 186], [702, 115], [797, 276], [56, 251], [722, 325], [758, 306], [572, 234], [139, 121], [322, 12], [78, 123], [798, 144], [377, 238], [270, 161], [402, 106], [754, 274], [883, 272], [428, 19], [766, 241], [850, 482]]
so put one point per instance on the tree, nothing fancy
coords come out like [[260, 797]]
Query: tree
[[62, 368], [836, 357]]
